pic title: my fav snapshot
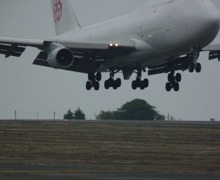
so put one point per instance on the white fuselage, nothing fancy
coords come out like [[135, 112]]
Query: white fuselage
[[161, 30]]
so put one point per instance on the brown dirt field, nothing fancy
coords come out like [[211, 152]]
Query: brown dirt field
[[28, 147]]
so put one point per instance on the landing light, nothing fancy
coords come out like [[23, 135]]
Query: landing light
[[113, 45]]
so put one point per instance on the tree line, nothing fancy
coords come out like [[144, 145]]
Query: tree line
[[136, 109]]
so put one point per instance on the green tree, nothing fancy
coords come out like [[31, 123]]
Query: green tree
[[79, 115], [69, 115], [134, 110], [106, 115]]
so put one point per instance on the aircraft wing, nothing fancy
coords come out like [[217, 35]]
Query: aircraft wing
[[87, 56], [98, 48], [83, 52], [214, 51], [16, 46]]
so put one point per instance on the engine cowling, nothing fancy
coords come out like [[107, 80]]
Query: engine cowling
[[60, 57]]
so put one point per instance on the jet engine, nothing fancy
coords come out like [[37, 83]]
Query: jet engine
[[60, 57]]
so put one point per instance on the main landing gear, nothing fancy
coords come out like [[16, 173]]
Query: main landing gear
[[173, 81], [115, 84], [194, 66], [138, 83], [191, 64], [93, 81]]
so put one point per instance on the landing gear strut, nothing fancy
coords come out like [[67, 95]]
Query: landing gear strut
[[138, 83], [194, 65], [115, 84], [93, 81]]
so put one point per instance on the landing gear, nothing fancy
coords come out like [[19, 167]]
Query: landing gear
[[93, 81], [115, 84], [173, 81], [195, 66], [138, 83]]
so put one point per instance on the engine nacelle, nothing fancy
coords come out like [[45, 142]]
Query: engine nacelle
[[60, 57]]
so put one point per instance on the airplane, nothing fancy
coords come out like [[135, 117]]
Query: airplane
[[161, 36]]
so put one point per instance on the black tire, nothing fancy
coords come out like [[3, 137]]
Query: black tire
[[115, 86], [146, 83], [168, 87], [198, 68], [191, 67], [134, 85], [176, 87], [98, 76], [138, 82], [96, 85], [142, 86], [88, 85], [178, 77], [107, 84], [118, 82], [171, 77], [91, 77]]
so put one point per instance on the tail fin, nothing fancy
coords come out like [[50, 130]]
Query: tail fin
[[64, 17]]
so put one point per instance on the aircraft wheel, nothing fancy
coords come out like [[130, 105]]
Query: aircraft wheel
[[118, 82], [96, 85], [88, 85], [171, 77], [91, 76], [114, 86], [191, 67], [168, 87], [142, 86], [107, 84], [134, 85], [198, 68], [176, 87], [178, 77], [146, 83], [98, 76]]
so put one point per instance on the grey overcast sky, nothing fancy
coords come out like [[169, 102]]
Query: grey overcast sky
[[30, 89]]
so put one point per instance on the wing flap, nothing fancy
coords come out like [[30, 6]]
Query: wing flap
[[41, 59], [11, 50]]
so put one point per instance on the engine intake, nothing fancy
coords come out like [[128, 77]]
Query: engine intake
[[60, 57], [64, 58]]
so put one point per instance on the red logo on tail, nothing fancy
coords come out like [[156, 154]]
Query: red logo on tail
[[57, 10]]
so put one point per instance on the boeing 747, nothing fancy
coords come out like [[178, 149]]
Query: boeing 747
[[162, 36]]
